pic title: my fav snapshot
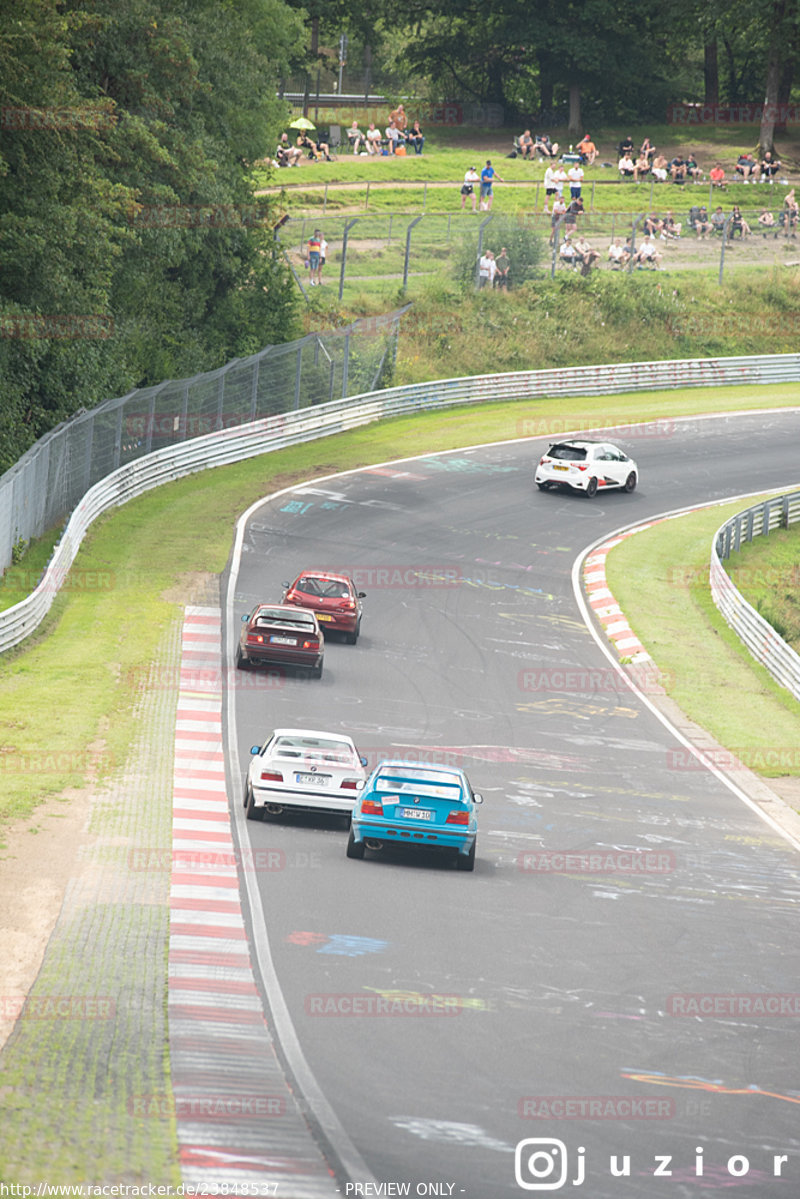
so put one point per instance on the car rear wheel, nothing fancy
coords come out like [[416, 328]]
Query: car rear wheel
[[253, 813], [355, 849], [630, 482], [352, 638], [591, 487], [542, 486], [241, 662], [466, 861], [316, 671]]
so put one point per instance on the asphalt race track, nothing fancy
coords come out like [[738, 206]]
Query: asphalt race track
[[532, 1003]]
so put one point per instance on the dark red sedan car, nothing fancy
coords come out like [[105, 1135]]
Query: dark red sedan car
[[332, 597], [278, 635]]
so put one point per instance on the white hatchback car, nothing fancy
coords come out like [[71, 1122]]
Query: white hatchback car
[[301, 769], [587, 466]]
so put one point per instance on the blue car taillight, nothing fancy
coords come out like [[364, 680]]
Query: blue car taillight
[[371, 807]]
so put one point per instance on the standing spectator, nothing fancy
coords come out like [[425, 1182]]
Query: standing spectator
[[323, 254], [747, 167], [488, 175], [560, 178], [791, 212], [549, 185], [559, 211], [502, 266], [587, 150], [355, 137], [574, 210], [398, 118], [702, 224], [471, 178], [373, 139], [314, 255], [769, 166], [717, 176], [486, 270], [414, 138], [575, 176]]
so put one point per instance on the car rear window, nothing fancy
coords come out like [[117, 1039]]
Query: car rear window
[[323, 588], [313, 747], [284, 618], [571, 453], [442, 784]]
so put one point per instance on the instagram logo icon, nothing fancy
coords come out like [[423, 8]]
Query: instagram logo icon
[[540, 1164]]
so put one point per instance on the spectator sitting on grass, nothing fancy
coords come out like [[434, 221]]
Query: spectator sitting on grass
[[647, 252], [747, 167], [373, 139], [738, 223], [717, 176], [626, 147], [415, 138], [355, 137], [702, 224], [526, 144], [693, 170], [641, 167], [568, 252], [766, 220], [659, 168], [769, 166], [677, 169], [626, 167], [653, 224], [619, 255], [587, 149], [648, 150], [588, 256], [393, 136], [718, 219], [317, 150], [670, 228], [545, 147]]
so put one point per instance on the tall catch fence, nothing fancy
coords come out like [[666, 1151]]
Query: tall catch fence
[[48, 481]]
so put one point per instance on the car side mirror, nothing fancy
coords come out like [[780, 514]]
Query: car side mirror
[[477, 797], [285, 583], [245, 618], [362, 595], [255, 749], [364, 760]]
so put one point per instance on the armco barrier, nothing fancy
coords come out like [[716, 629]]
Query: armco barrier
[[290, 428], [766, 646]]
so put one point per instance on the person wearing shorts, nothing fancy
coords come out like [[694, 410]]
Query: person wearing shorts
[[468, 187], [314, 256], [488, 175], [549, 186]]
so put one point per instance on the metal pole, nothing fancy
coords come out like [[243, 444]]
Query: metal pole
[[366, 202], [536, 198], [710, 195], [633, 240], [722, 251], [425, 197], [408, 250], [613, 224], [591, 202], [389, 239], [650, 201], [481, 228], [556, 230], [449, 218], [345, 235], [325, 200]]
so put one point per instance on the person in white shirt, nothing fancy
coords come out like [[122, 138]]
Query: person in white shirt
[[575, 176], [471, 179], [549, 186], [373, 140], [355, 137], [393, 134], [486, 270]]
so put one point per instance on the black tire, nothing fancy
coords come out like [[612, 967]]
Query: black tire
[[355, 849], [542, 486], [246, 792], [591, 488], [316, 671], [253, 813], [630, 482], [241, 661], [468, 862]]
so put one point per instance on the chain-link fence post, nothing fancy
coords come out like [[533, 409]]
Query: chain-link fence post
[[633, 240], [722, 251], [408, 250], [481, 228], [345, 236]]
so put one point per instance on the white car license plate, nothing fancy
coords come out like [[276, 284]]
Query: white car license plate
[[283, 640], [417, 813], [313, 780]]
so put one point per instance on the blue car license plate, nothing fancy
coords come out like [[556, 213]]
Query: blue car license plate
[[417, 813]]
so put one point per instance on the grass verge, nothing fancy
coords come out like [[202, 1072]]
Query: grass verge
[[660, 579], [69, 694]]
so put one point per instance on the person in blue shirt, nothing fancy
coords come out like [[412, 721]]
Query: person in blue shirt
[[488, 175]]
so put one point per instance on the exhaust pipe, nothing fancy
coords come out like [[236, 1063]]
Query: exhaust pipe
[[274, 809], [375, 846]]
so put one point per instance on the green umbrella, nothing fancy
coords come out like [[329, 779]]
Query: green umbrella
[[302, 123]]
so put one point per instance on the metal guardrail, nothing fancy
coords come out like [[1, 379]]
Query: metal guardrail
[[756, 633], [290, 428]]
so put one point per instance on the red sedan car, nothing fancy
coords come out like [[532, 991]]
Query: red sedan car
[[281, 636], [332, 597]]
